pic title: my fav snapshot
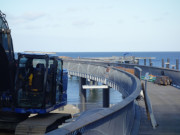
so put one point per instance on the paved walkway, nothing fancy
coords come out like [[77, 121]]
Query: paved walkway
[[166, 106]]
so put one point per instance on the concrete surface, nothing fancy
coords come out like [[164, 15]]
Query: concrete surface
[[166, 106]]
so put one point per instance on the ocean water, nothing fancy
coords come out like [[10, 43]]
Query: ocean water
[[95, 96], [156, 62]]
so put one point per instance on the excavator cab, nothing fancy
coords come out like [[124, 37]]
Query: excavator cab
[[33, 83], [39, 83]]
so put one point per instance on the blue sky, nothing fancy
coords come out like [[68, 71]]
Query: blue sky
[[93, 25]]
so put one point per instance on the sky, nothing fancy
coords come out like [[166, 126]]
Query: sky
[[93, 25]]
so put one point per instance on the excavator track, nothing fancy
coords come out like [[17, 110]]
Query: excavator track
[[40, 124]]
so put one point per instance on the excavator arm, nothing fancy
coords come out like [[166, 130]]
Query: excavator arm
[[7, 62]]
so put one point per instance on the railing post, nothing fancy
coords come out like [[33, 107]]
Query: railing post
[[168, 63], [177, 64], [145, 62], [106, 97], [82, 93], [162, 63], [173, 66], [150, 62]]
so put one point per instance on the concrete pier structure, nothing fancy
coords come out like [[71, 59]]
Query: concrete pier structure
[[150, 62], [177, 64], [165, 103], [144, 62], [167, 65], [82, 93], [106, 97], [162, 63], [128, 117]]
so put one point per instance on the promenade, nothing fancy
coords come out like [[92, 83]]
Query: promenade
[[165, 102]]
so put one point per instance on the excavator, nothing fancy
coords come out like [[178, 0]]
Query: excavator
[[30, 84]]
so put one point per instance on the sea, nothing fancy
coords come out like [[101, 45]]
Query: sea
[[95, 96], [156, 62]]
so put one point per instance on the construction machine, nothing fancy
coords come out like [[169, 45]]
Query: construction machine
[[31, 84]]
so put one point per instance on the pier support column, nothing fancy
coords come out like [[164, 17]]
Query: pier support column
[[150, 62], [162, 63], [167, 65], [173, 66], [144, 62], [106, 97], [177, 64], [82, 93]]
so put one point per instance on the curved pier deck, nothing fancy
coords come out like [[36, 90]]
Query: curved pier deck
[[166, 106], [124, 118]]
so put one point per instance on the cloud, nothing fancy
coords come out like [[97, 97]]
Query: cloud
[[83, 23], [158, 19], [72, 10], [136, 17], [120, 21], [105, 7], [165, 13], [25, 18], [31, 16]]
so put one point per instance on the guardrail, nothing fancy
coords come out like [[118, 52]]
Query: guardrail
[[116, 120], [158, 71], [172, 73]]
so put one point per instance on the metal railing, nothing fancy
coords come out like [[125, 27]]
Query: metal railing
[[171, 73], [116, 120]]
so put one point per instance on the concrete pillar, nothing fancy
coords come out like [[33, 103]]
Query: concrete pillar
[[82, 93], [173, 66], [150, 62], [177, 64], [162, 63], [133, 59], [167, 65], [144, 62], [106, 97]]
